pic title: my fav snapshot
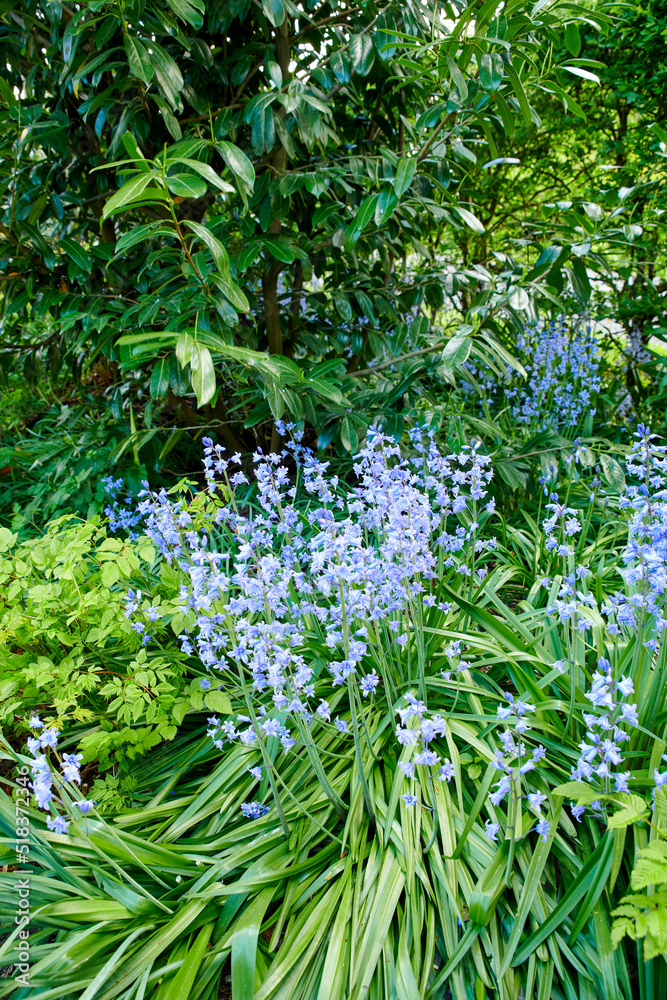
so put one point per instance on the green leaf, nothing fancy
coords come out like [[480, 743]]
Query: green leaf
[[544, 262], [361, 54], [530, 889], [613, 473], [205, 171], [632, 812], [470, 219], [131, 190], [75, 252], [457, 351], [187, 186], [458, 78], [517, 87], [218, 701], [138, 58], [491, 71], [239, 164], [140, 233], [340, 65], [218, 251], [181, 985], [365, 213], [160, 378], [405, 172], [190, 11], [244, 945], [591, 875], [578, 791], [203, 374], [167, 74], [274, 11], [489, 888], [572, 38], [580, 282], [385, 206]]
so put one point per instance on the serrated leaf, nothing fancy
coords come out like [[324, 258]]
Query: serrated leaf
[[217, 701], [578, 791]]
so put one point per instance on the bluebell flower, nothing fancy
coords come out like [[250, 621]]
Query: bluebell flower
[[71, 767], [543, 828], [254, 810], [491, 829], [410, 800], [85, 805], [58, 824]]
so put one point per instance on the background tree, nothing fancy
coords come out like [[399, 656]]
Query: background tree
[[246, 210]]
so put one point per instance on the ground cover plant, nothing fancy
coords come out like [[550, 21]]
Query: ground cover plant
[[414, 786]]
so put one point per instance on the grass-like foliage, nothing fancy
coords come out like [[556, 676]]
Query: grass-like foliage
[[410, 785]]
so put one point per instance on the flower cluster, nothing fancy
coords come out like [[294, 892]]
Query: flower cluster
[[561, 361], [356, 571], [562, 364], [123, 515], [417, 730], [601, 752], [145, 614], [253, 810], [44, 780], [645, 556], [515, 760]]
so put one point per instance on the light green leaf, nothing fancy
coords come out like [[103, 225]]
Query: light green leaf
[[218, 701], [578, 791], [244, 945], [203, 374], [187, 186], [218, 251], [405, 172], [132, 189], [469, 219]]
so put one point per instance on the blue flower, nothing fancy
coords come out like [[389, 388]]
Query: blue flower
[[253, 810]]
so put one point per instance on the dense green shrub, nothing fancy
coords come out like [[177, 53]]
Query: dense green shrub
[[68, 652]]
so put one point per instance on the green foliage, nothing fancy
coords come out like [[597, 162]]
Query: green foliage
[[644, 914], [266, 210], [68, 651]]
